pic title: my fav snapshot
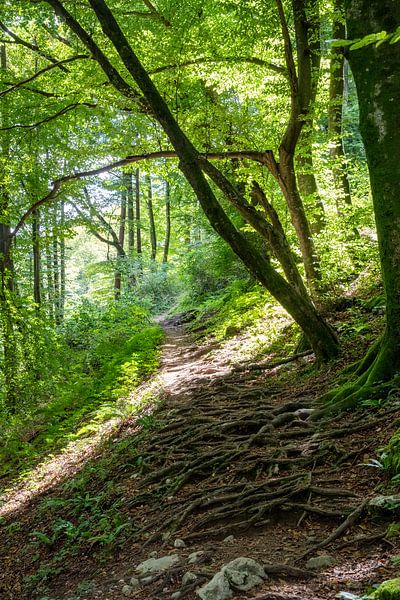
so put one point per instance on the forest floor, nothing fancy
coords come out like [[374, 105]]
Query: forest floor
[[230, 465]]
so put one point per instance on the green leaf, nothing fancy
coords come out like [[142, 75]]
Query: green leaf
[[341, 43], [372, 38]]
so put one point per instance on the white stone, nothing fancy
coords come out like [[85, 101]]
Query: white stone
[[241, 574], [229, 539], [178, 543], [320, 562], [244, 573], [216, 589], [127, 590], [189, 578], [194, 557], [158, 565], [134, 583]]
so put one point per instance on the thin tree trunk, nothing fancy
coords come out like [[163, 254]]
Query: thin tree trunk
[[288, 185], [152, 225], [56, 268], [302, 85], [11, 362], [49, 266], [121, 240], [137, 218], [37, 279], [128, 178], [307, 182], [305, 172], [62, 260], [167, 221], [130, 211], [335, 117]]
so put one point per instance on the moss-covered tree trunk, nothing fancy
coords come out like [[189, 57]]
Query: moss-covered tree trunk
[[377, 76]]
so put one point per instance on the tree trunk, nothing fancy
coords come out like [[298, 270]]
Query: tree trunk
[[130, 211], [128, 178], [335, 120], [377, 79], [56, 268], [305, 167], [167, 221], [49, 266], [137, 216], [308, 184], [377, 76], [121, 240], [62, 260], [302, 86], [152, 225], [288, 184], [11, 362], [37, 283]]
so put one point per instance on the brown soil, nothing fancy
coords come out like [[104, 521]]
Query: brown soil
[[234, 455]]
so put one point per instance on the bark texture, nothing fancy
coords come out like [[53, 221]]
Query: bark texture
[[377, 78]]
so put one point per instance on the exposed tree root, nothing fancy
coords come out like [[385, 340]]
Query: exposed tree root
[[351, 519], [377, 376], [234, 456]]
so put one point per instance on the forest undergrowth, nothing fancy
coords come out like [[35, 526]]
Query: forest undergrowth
[[219, 445]]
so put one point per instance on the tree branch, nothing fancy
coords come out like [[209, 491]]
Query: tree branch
[[44, 70], [156, 13], [33, 90], [290, 64], [60, 113], [32, 47], [114, 76], [53, 193], [91, 226], [228, 59], [56, 36], [261, 157], [105, 224]]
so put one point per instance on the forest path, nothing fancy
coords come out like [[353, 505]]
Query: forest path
[[231, 466], [235, 468]]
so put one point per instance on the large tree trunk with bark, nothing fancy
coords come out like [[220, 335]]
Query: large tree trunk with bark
[[377, 76]]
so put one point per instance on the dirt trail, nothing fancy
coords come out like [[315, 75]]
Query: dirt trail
[[235, 468]]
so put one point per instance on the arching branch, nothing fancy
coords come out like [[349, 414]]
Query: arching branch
[[33, 47], [41, 72], [112, 73], [60, 113], [252, 60], [152, 13]]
